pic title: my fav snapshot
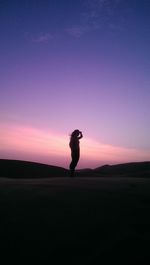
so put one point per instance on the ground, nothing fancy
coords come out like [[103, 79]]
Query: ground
[[75, 221]]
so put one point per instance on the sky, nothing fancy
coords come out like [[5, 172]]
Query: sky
[[68, 65]]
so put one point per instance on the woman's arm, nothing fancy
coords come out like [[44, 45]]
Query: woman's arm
[[80, 135]]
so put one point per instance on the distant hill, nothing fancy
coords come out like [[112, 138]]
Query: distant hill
[[25, 169], [134, 169]]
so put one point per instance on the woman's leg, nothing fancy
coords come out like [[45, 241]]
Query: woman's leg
[[75, 158]]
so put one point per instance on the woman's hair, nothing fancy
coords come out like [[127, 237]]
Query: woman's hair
[[75, 133]]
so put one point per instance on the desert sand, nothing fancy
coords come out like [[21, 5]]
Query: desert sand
[[75, 220]]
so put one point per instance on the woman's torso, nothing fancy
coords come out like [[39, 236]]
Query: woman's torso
[[74, 143]]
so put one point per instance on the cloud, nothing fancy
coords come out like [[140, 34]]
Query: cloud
[[116, 27], [101, 3], [46, 146], [43, 38], [77, 31], [95, 14], [29, 143], [97, 151]]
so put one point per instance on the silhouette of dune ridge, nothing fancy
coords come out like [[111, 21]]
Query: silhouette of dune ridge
[[26, 169], [137, 169]]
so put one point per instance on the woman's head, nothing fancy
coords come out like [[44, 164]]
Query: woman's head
[[75, 133]]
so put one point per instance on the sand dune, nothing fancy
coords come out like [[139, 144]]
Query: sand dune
[[73, 221], [26, 169]]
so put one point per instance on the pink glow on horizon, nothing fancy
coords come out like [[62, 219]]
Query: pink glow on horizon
[[112, 154], [27, 143]]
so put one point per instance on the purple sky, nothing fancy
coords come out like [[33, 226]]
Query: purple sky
[[75, 64]]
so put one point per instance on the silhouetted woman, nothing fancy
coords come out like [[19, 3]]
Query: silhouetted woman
[[75, 149]]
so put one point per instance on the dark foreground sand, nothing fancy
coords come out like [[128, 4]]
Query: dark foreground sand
[[75, 221]]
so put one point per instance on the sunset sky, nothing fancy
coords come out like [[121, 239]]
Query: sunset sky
[[75, 64]]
